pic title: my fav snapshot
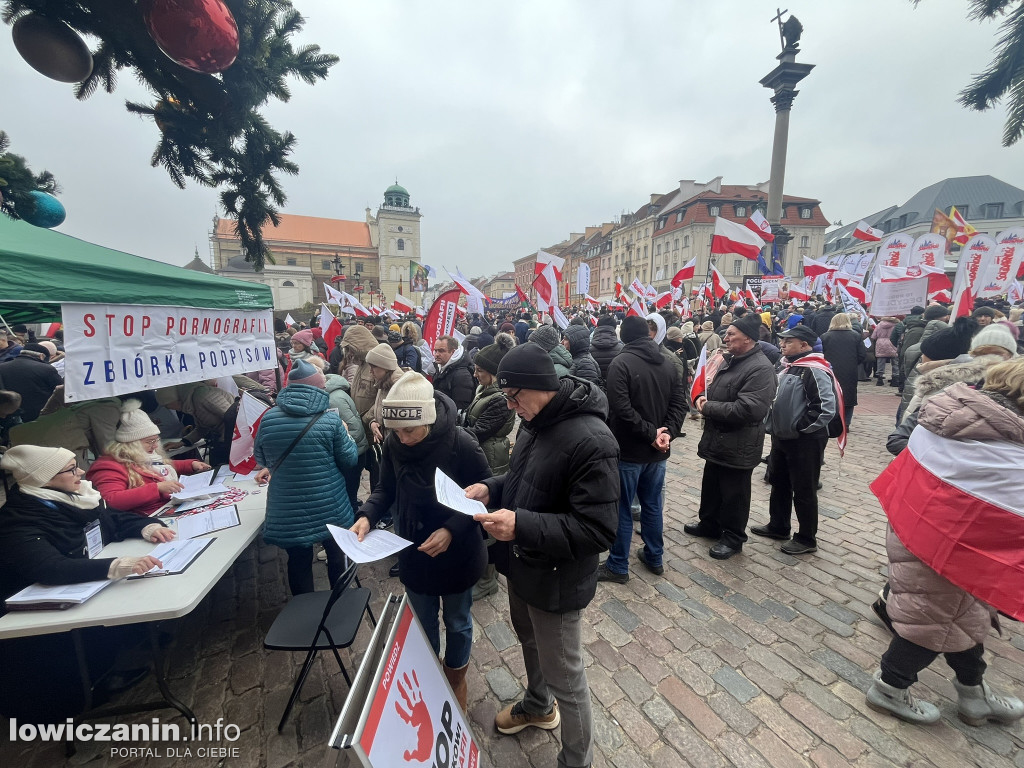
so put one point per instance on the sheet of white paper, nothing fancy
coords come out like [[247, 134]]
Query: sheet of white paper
[[867, 343], [223, 474], [193, 482], [250, 476], [176, 555], [452, 496], [376, 545], [65, 593], [203, 523], [206, 491]]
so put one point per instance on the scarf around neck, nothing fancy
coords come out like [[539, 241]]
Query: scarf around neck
[[86, 498]]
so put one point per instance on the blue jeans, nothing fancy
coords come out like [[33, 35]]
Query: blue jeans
[[458, 623], [646, 482]]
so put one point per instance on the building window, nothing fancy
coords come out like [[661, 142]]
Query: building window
[[675, 245], [741, 210], [291, 262], [645, 251], [401, 244], [737, 267], [661, 222], [659, 249], [714, 210], [686, 241], [680, 215], [805, 213], [325, 264], [805, 241], [993, 211], [287, 284], [963, 210]]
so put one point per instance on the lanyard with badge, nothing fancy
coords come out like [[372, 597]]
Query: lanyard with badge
[[93, 539]]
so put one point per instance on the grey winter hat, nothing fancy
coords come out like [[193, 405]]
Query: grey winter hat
[[546, 337]]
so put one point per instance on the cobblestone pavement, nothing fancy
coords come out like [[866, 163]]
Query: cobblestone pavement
[[761, 660]]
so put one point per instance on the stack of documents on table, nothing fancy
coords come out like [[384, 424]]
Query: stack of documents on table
[[208, 521], [376, 545], [42, 597], [176, 556], [198, 487]]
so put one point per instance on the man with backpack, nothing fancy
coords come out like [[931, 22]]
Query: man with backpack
[[807, 411]]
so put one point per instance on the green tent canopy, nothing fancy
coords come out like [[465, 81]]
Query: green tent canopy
[[41, 269]]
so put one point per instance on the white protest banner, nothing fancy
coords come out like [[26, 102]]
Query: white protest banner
[[583, 279], [898, 297], [1002, 269], [115, 349], [412, 718], [895, 250], [928, 249], [770, 286]]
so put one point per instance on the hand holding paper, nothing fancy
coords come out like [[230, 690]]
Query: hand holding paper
[[376, 545], [451, 495]]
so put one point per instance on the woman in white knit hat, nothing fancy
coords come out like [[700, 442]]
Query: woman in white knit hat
[[134, 474], [43, 540], [448, 555], [385, 371]]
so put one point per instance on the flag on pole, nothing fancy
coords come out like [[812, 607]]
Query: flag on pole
[[591, 300], [635, 309], [420, 313], [546, 286], [241, 457], [759, 224], [863, 231], [707, 367], [639, 289], [560, 319], [813, 268], [544, 259], [731, 237], [662, 300], [719, 284], [289, 320], [522, 296], [329, 326], [333, 295], [964, 231], [800, 291], [402, 304], [686, 273], [618, 289]]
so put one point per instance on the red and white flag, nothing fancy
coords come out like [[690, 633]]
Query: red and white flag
[[402, 304], [591, 300], [241, 457], [639, 289], [800, 291], [865, 232], [684, 274], [964, 231], [662, 300], [707, 367], [961, 513], [719, 283], [544, 259], [560, 319], [420, 313], [944, 296], [813, 268], [731, 237], [759, 224], [329, 326], [854, 288], [636, 309], [618, 289], [289, 320], [546, 286]]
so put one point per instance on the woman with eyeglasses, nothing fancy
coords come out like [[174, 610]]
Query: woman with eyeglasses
[[135, 475], [44, 525]]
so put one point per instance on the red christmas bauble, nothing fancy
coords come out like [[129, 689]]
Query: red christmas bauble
[[198, 34]]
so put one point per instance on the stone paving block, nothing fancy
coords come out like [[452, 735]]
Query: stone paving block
[[824, 726], [691, 707], [612, 632], [501, 636], [711, 584], [603, 687], [633, 685], [658, 712], [823, 618], [688, 742], [736, 684], [749, 607], [837, 611], [620, 614], [607, 734], [653, 640], [842, 666], [505, 686], [634, 724], [739, 751], [736, 717]]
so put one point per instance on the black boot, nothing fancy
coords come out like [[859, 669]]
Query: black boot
[[879, 382]]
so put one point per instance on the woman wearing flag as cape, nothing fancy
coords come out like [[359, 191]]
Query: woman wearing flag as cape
[[956, 522]]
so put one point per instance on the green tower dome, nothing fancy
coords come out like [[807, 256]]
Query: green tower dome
[[397, 196]]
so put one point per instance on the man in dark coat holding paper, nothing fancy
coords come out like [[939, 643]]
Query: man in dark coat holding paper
[[557, 508]]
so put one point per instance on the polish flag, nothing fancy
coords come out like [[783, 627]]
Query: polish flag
[[289, 320], [719, 283], [944, 296], [544, 259], [865, 232], [635, 309], [546, 286], [639, 289], [799, 291], [759, 224], [402, 304], [662, 300], [707, 367], [243, 442], [420, 313], [591, 300], [961, 513], [334, 296], [814, 268], [731, 237], [618, 289], [684, 274], [329, 326], [854, 288]]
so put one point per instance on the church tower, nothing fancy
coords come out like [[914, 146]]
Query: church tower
[[398, 232]]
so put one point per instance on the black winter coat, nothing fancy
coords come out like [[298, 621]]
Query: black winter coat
[[604, 345], [563, 483], [33, 379], [737, 401], [456, 381], [407, 482], [821, 321], [44, 541], [845, 351], [584, 365], [644, 393]]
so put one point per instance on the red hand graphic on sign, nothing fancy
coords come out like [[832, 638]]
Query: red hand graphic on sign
[[417, 716]]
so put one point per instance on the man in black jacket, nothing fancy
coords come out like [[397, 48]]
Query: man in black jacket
[[576, 339], [647, 404], [557, 511], [605, 344], [734, 406], [31, 376], [454, 377]]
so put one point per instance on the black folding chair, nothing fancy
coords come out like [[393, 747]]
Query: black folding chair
[[318, 621]]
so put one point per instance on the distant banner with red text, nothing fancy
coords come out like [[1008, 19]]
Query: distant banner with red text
[[116, 349]]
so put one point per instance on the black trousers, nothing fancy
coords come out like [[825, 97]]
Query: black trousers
[[904, 659], [300, 566], [794, 467], [725, 503]]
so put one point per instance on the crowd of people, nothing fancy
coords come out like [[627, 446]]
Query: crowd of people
[[563, 433]]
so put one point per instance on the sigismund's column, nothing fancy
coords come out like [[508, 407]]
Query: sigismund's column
[[782, 80]]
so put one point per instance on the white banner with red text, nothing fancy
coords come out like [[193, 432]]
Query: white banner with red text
[[116, 349]]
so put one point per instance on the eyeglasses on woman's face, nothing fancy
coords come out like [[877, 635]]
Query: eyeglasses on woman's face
[[70, 470]]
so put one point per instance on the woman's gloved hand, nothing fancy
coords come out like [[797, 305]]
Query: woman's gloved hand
[[126, 566]]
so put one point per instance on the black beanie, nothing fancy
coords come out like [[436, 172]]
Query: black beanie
[[609, 320], [527, 367], [935, 312], [749, 325], [951, 342], [634, 328], [491, 356]]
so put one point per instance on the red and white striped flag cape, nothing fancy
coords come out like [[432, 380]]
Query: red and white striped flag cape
[[243, 442], [958, 505], [817, 361], [707, 367]]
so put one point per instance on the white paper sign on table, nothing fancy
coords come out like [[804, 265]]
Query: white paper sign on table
[[197, 481], [452, 496], [202, 492], [376, 545], [201, 523]]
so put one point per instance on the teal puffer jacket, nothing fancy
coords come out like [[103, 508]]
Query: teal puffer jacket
[[307, 491], [338, 390]]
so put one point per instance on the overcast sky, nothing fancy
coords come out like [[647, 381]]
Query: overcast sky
[[513, 124]]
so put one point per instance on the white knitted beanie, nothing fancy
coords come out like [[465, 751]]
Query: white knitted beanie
[[410, 403], [33, 465], [383, 356], [134, 424]]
